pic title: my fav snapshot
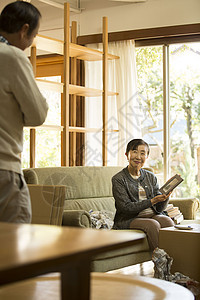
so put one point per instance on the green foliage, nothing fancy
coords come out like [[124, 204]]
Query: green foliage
[[149, 71], [186, 169], [150, 86], [185, 90], [48, 149]]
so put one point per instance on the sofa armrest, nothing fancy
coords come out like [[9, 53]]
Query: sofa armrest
[[77, 218], [188, 206], [47, 203]]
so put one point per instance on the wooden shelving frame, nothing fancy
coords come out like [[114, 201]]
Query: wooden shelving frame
[[70, 50]]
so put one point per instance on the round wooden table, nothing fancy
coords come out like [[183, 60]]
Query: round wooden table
[[103, 286], [118, 287]]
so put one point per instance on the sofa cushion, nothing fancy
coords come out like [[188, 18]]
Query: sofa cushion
[[80, 182], [96, 204]]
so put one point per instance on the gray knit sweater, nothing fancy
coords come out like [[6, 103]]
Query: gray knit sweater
[[125, 192], [21, 104]]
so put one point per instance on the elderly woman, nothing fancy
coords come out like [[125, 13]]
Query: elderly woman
[[139, 203]]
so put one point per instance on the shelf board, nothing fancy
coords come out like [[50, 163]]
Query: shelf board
[[48, 44], [50, 85], [112, 130], [84, 91], [112, 93], [47, 127], [83, 129], [71, 128], [85, 53], [87, 92], [73, 89], [80, 52]]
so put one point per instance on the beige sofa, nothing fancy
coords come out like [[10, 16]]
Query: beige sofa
[[69, 193]]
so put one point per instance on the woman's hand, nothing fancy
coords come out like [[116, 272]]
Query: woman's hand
[[160, 198]]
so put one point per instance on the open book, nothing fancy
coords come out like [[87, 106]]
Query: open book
[[171, 184]]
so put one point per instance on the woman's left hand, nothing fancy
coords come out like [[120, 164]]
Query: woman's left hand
[[160, 198]]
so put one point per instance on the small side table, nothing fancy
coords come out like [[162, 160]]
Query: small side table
[[184, 247]]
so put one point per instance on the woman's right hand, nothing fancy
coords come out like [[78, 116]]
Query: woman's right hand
[[160, 198]]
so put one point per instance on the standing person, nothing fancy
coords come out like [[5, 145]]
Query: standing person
[[139, 204], [21, 104]]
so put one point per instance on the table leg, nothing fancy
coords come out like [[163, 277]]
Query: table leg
[[75, 282]]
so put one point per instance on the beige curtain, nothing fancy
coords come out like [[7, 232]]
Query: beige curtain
[[123, 110]]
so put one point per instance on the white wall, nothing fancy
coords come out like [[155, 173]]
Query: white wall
[[153, 13]]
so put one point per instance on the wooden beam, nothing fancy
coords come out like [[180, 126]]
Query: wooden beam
[[166, 110], [146, 33], [32, 131], [73, 97], [105, 92], [65, 108]]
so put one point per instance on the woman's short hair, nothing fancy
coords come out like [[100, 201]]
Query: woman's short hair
[[18, 13], [133, 145]]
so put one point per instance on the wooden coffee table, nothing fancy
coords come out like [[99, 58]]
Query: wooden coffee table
[[31, 250], [184, 247]]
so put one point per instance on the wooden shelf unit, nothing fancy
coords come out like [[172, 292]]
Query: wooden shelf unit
[[69, 49]]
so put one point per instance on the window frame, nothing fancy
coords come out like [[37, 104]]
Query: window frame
[[155, 37]]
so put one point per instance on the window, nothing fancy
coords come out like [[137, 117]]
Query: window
[[184, 114], [48, 139], [184, 108]]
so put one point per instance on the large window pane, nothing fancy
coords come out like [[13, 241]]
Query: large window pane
[[150, 86], [48, 142], [48, 148], [184, 115], [54, 102], [25, 157]]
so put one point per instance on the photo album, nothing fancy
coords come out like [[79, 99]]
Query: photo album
[[171, 184]]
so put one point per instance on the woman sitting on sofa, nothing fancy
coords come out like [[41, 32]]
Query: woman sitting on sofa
[[139, 203]]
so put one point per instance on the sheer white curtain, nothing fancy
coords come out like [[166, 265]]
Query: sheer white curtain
[[123, 110]]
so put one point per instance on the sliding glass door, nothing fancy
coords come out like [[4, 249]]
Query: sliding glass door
[[185, 116], [172, 72]]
